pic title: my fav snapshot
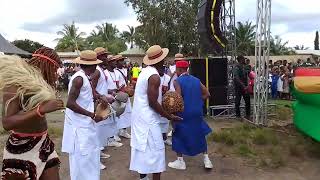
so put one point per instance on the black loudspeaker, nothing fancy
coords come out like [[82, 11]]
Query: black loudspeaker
[[218, 78], [218, 95], [218, 72], [198, 69], [211, 37]]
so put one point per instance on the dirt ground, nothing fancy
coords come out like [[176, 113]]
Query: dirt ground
[[226, 167]]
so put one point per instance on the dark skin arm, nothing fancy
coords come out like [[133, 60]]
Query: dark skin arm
[[29, 121], [205, 92], [12, 119], [73, 96], [153, 93]]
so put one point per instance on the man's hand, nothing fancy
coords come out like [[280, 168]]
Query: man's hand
[[105, 100]]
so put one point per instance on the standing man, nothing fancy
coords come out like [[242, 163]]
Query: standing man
[[189, 135], [80, 129], [173, 74], [164, 87], [103, 128], [135, 73], [147, 146], [113, 87], [124, 120], [241, 87]]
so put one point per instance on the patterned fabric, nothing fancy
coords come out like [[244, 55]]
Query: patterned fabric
[[19, 145], [25, 158]]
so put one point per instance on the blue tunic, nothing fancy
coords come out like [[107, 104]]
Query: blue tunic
[[189, 135]]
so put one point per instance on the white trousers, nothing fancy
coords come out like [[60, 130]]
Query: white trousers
[[153, 160], [124, 121], [105, 130], [84, 165]]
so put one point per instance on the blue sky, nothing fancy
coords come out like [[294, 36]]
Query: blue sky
[[294, 20]]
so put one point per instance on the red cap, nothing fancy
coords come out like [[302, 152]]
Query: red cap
[[182, 64]]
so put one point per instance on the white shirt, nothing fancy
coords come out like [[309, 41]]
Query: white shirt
[[164, 83], [172, 69], [124, 72], [112, 79], [145, 121], [74, 122], [122, 80], [102, 86], [174, 77]]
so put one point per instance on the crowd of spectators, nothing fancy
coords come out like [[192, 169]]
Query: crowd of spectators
[[281, 76]]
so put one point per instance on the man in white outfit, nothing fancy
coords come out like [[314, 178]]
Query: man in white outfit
[[147, 145], [164, 123], [80, 127], [113, 79], [124, 120], [103, 128]]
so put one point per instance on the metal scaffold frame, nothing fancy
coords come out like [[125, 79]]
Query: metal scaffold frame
[[262, 51], [228, 27]]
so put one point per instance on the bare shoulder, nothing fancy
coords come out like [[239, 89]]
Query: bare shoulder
[[77, 82], [154, 79]]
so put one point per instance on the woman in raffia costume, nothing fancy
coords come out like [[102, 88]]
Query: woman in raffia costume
[[28, 95]]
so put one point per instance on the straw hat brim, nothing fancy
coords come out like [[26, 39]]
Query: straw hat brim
[[179, 59], [149, 62], [79, 61]]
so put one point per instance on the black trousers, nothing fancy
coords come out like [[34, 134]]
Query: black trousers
[[246, 96]]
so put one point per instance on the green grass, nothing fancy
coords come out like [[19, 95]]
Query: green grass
[[251, 142], [55, 132], [3, 132], [245, 134], [245, 150], [283, 109]]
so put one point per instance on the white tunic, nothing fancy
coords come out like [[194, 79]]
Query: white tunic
[[113, 78], [80, 136], [164, 122], [174, 77], [172, 69], [105, 128], [147, 146], [124, 120]]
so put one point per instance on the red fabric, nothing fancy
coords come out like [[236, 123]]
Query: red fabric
[[182, 64], [307, 72]]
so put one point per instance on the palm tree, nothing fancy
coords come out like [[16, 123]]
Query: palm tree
[[71, 38], [129, 36], [107, 31], [106, 35], [301, 47], [278, 47], [245, 38]]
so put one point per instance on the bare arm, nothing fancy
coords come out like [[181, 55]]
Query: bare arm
[[205, 92], [12, 119], [15, 118], [177, 87], [73, 96], [153, 93]]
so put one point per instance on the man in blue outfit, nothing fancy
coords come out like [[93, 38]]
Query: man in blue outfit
[[189, 135]]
